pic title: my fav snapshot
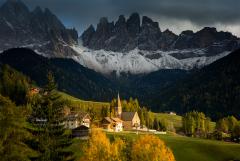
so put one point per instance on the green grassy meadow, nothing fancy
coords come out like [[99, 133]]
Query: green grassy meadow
[[176, 120], [184, 148], [195, 149], [81, 104]]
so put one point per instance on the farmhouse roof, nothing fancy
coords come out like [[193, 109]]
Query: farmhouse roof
[[81, 127], [108, 119], [115, 119], [112, 119]]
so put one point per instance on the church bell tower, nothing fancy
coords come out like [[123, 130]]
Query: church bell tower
[[119, 107]]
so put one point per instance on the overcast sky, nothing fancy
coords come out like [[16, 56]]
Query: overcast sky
[[177, 15]]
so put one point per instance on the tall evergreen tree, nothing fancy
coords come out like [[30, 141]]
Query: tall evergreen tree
[[222, 125], [51, 133], [236, 133], [232, 122], [156, 124], [195, 124]]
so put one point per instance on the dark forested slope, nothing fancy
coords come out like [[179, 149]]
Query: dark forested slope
[[70, 76], [215, 90]]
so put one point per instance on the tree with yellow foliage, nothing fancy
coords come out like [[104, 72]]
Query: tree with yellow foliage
[[117, 150], [100, 149], [150, 148]]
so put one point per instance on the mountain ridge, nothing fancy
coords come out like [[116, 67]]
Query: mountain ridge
[[137, 45], [38, 29], [143, 33], [134, 45]]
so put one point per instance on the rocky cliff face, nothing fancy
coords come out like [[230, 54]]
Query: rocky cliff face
[[136, 45], [39, 29], [126, 35]]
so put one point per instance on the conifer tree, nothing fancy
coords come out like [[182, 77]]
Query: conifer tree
[[156, 124], [195, 123], [236, 133], [51, 133], [222, 125]]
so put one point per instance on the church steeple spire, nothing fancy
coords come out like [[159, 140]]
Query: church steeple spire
[[119, 107]]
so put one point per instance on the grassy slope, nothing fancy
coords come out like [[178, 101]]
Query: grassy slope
[[81, 103], [176, 120], [184, 148], [194, 149]]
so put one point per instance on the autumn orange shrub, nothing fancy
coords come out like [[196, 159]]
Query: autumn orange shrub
[[150, 148], [117, 148], [145, 148], [100, 148]]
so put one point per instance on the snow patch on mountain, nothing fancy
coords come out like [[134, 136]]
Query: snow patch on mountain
[[199, 62], [139, 61]]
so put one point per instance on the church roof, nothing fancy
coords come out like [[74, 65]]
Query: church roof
[[128, 116]]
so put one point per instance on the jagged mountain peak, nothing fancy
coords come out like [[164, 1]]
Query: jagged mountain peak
[[14, 3], [209, 29], [134, 16], [120, 25], [103, 20], [135, 47], [148, 36], [37, 10], [187, 33], [14, 9], [133, 24], [91, 27], [39, 30], [148, 21], [168, 31], [121, 21], [14, 6], [87, 35]]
